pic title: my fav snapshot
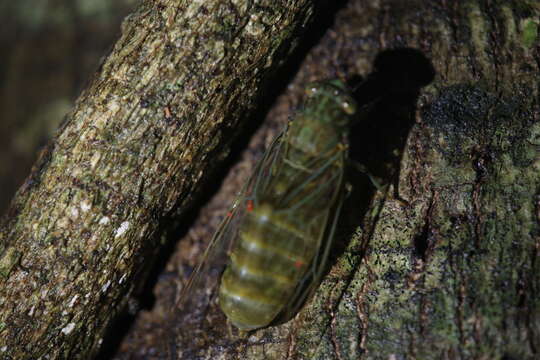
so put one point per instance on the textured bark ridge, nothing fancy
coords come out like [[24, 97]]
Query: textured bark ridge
[[156, 119]]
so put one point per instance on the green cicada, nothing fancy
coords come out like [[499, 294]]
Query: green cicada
[[271, 249]]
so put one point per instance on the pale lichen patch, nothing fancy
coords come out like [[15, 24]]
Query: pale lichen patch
[[122, 229], [68, 328], [479, 33], [122, 279], [254, 26], [150, 71], [74, 212], [193, 8], [102, 120], [530, 31], [240, 4], [85, 205], [104, 220], [105, 287], [8, 260], [219, 50], [95, 160], [72, 302], [113, 106]]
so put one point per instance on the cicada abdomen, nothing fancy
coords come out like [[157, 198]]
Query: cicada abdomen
[[286, 215]]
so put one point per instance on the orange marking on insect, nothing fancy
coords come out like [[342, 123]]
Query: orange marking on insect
[[298, 264], [249, 205]]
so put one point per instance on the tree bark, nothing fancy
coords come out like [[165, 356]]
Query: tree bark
[[453, 271], [156, 120], [49, 49]]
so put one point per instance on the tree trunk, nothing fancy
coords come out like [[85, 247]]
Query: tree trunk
[[156, 120], [452, 272], [48, 50]]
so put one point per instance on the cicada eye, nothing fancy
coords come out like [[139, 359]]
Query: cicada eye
[[348, 107], [312, 90]]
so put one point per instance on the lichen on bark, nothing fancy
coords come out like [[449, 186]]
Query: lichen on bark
[[156, 120]]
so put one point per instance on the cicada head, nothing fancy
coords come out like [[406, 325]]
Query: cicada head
[[334, 98], [325, 119]]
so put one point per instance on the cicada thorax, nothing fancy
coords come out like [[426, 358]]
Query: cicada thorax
[[286, 214]]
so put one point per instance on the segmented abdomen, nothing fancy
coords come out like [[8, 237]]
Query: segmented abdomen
[[277, 242]]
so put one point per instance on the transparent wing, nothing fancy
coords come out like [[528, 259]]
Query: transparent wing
[[197, 296], [314, 273], [215, 257]]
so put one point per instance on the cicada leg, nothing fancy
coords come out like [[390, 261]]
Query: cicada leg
[[374, 180], [379, 183]]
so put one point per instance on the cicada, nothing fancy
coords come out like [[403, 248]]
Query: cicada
[[272, 247]]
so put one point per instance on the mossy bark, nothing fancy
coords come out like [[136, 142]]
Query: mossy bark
[[155, 121], [452, 272], [48, 50]]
